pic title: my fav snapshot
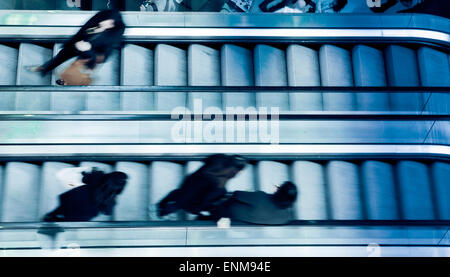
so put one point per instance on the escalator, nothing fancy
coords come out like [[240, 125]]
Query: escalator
[[361, 122]]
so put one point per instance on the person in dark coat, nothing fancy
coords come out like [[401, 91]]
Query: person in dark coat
[[258, 207], [87, 201], [93, 43], [201, 190]]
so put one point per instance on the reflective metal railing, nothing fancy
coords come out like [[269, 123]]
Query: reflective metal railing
[[231, 27]]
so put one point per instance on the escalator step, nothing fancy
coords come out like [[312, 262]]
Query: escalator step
[[415, 191], [401, 68], [204, 70], [32, 55], [137, 70], [434, 71], [21, 192], [336, 70], [270, 70], [311, 198], [170, 70], [272, 174], [303, 70], [441, 173], [165, 177], [132, 203], [368, 70], [51, 187], [8, 60], [379, 190], [237, 70], [344, 190], [245, 180], [108, 73]]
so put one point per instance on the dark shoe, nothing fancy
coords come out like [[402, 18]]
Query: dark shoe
[[60, 82], [50, 230]]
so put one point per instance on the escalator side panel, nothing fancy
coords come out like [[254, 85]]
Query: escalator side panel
[[7, 101], [102, 101], [65, 101], [29, 101], [439, 133]]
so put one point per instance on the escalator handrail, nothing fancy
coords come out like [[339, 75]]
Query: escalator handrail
[[61, 18], [225, 89], [183, 152], [245, 115]]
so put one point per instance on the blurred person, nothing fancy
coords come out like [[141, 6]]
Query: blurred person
[[258, 207], [92, 45], [330, 6], [304, 6], [300, 6], [161, 5], [387, 4], [203, 189], [97, 195]]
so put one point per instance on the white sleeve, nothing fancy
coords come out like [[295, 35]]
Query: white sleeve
[[71, 177]]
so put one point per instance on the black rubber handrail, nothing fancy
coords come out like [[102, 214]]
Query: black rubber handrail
[[155, 116]]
